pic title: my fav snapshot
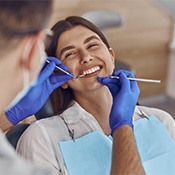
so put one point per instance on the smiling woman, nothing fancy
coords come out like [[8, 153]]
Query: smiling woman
[[92, 42], [82, 106]]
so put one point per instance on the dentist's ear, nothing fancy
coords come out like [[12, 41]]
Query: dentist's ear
[[29, 51], [31, 55]]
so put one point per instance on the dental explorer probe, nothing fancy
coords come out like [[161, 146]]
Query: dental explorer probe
[[62, 70], [73, 76], [138, 79], [132, 79]]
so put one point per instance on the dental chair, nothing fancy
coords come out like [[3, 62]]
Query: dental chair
[[103, 20]]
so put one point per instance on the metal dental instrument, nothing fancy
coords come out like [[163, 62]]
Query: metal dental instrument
[[62, 70], [132, 79], [138, 79]]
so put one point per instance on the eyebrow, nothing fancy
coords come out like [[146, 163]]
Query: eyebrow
[[65, 49], [90, 38], [72, 47]]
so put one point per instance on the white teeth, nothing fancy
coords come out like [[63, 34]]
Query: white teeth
[[92, 70]]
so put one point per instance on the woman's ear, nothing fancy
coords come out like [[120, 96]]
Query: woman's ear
[[65, 86], [111, 51]]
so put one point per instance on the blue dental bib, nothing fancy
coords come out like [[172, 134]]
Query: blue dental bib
[[91, 154], [88, 155], [156, 147]]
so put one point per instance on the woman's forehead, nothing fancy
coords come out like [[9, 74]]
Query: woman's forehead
[[79, 33]]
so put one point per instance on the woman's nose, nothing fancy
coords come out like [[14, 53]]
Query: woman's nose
[[85, 58]]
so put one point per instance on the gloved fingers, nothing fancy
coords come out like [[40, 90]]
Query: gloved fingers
[[134, 87], [122, 79], [58, 63], [127, 73], [133, 84], [46, 72], [50, 59], [59, 79], [107, 80], [125, 83], [54, 59], [118, 72], [112, 84]]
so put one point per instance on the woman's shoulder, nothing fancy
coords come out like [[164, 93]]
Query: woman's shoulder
[[154, 111], [40, 128], [164, 117], [57, 127]]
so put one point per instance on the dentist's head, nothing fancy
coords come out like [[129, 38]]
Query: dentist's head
[[22, 36]]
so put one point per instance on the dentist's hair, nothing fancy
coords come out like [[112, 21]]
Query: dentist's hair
[[21, 17], [63, 98]]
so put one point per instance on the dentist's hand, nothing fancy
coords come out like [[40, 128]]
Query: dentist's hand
[[33, 101], [125, 95]]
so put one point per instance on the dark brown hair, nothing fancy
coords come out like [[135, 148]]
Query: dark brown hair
[[21, 16], [62, 98]]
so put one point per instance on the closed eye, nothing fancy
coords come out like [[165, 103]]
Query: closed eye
[[69, 54], [92, 46]]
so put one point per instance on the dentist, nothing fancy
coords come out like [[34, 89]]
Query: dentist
[[22, 37]]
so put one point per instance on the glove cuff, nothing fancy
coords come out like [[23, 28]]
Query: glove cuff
[[14, 114], [114, 128]]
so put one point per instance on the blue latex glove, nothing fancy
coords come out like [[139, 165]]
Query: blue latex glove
[[125, 95], [36, 97]]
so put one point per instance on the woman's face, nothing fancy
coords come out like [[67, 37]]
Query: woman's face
[[84, 53]]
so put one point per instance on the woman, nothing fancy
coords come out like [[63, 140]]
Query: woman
[[83, 104]]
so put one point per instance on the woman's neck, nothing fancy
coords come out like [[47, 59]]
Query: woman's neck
[[98, 103]]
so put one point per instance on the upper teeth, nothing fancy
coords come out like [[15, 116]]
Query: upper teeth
[[92, 70]]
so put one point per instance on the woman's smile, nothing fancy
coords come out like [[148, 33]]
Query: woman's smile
[[90, 71]]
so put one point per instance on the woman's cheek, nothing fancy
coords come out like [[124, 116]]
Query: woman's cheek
[[71, 65]]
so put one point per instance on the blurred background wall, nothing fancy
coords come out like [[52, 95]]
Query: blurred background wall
[[142, 41]]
